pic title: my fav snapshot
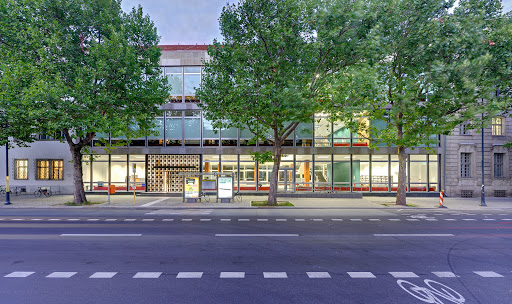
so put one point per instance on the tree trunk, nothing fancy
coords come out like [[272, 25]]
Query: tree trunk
[[272, 193], [79, 193], [402, 177]]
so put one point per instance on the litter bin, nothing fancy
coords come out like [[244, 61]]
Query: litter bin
[[112, 189]]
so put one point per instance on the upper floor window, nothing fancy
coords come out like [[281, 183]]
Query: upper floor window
[[21, 169], [464, 130], [498, 164], [497, 126], [50, 169], [465, 165]]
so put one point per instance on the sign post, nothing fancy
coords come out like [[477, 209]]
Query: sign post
[[134, 169]]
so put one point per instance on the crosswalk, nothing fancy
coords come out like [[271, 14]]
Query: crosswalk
[[241, 220], [264, 274]]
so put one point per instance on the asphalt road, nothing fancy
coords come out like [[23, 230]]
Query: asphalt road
[[255, 256]]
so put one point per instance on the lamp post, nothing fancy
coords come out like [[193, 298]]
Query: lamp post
[[7, 192], [482, 201]]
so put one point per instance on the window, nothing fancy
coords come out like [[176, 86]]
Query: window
[[498, 164], [464, 129], [465, 165], [21, 169], [497, 126], [50, 169]]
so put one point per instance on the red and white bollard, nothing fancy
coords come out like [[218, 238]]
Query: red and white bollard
[[441, 196]]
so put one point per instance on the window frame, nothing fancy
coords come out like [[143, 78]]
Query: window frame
[[17, 169], [499, 167], [498, 126], [465, 165], [53, 164]]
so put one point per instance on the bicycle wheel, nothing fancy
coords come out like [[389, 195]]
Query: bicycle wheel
[[418, 292], [238, 197], [38, 193], [47, 193]]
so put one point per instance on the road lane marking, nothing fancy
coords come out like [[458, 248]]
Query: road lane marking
[[61, 275], [243, 220], [147, 275], [93, 220], [99, 234], [300, 220], [225, 220], [130, 220], [148, 220], [412, 220], [374, 220], [281, 220], [318, 275], [394, 220], [257, 234], [444, 274], [337, 220], [506, 219], [415, 234], [189, 275], [103, 275], [205, 220], [489, 219], [469, 219], [488, 274], [262, 220], [73, 220], [110, 220], [400, 275], [318, 220], [356, 220], [186, 220], [275, 275], [36, 219], [361, 275], [154, 202], [19, 274], [232, 275], [432, 220], [167, 220], [17, 219], [54, 219], [450, 219]]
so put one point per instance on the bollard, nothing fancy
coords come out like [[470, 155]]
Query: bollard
[[441, 199]]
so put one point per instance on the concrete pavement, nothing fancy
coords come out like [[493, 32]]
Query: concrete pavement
[[152, 202]]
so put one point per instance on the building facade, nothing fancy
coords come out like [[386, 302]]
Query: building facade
[[319, 156]]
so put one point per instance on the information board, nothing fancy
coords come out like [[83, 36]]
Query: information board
[[191, 187], [225, 187]]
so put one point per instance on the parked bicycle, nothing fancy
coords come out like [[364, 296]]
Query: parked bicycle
[[237, 197], [43, 191], [3, 191], [203, 197]]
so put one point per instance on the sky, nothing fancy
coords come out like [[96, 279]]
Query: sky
[[192, 21]]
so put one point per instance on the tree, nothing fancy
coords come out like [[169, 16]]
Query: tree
[[435, 72], [98, 70], [271, 71]]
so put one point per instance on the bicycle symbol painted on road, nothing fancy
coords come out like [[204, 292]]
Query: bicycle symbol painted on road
[[433, 294]]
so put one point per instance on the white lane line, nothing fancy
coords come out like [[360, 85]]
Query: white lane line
[[450, 219], [99, 234], [61, 275], [337, 220], [130, 220], [506, 219], [318, 220], [487, 214], [488, 274], [258, 234], [394, 220], [374, 220], [147, 275], [262, 220], [444, 274], [205, 220], [399, 275], [432, 220], [154, 202], [300, 220], [36, 219], [167, 220], [93, 220], [275, 275], [225, 220], [73, 220], [19, 274], [189, 275], [186, 220], [318, 275], [148, 220], [54, 219], [103, 275], [503, 214], [232, 275], [414, 234], [356, 220], [361, 275], [281, 220], [412, 220], [110, 220], [17, 219], [469, 219], [243, 220], [489, 219]]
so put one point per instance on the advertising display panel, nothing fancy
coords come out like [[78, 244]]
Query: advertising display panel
[[225, 187], [191, 187]]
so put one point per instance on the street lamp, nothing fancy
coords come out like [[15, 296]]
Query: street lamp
[[7, 194], [482, 200]]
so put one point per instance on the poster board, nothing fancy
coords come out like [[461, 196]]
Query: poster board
[[191, 186], [225, 187]]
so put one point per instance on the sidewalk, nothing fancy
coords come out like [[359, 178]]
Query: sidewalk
[[151, 202]]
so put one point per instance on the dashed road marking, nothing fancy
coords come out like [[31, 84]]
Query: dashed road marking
[[61, 275], [444, 274], [19, 274], [262, 220], [361, 275], [147, 275], [275, 275], [356, 220], [148, 220], [488, 274], [300, 220], [167, 220], [189, 275], [103, 275], [225, 220], [205, 220], [130, 220], [232, 275], [281, 220], [374, 220], [318, 220], [318, 275], [400, 275], [186, 220], [110, 220], [243, 220], [93, 220]]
